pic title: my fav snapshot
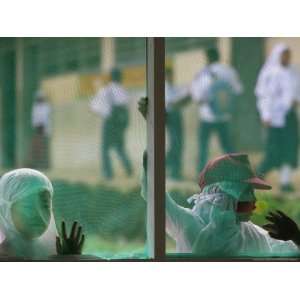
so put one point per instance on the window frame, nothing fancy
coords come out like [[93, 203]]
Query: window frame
[[156, 235], [156, 147]]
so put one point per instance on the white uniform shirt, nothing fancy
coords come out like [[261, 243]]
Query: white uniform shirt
[[114, 94], [202, 83], [41, 115], [277, 94], [173, 94]]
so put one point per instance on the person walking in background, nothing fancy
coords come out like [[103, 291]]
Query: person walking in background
[[111, 103], [176, 98], [215, 88], [277, 91], [41, 123]]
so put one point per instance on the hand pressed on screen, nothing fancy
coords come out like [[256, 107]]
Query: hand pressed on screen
[[143, 107], [282, 227], [71, 245], [145, 160]]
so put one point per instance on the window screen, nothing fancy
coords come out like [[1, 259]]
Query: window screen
[[130, 50], [175, 45], [215, 106], [75, 119]]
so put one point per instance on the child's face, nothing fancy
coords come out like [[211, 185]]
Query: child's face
[[32, 215], [246, 205], [245, 210], [286, 58]]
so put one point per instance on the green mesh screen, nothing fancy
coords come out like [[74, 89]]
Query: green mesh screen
[[130, 50], [70, 72], [192, 138], [175, 44]]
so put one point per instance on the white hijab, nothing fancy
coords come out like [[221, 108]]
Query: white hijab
[[269, 69], [15, 186]]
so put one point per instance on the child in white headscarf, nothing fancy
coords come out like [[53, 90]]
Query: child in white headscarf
[[277, 91], [26, 215]]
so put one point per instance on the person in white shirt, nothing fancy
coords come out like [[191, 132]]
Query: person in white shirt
[[175, 99], [111, 103], [215, 89], [277, 92], [41, 124]]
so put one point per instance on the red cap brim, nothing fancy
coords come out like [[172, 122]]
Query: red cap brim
[[259, 183]]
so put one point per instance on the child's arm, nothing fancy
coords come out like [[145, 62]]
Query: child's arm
[[177, 217]]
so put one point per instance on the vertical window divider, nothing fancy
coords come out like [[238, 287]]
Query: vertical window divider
[[156, 147]]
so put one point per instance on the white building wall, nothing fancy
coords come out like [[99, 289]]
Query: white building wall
[[108, 56]]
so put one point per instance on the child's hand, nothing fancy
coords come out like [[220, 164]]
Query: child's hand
[[71, 245], [145, 160], [143, 107], [281, 227]]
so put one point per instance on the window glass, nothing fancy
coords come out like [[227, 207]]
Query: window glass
[[130, 50], [75, 119], [236, 97]]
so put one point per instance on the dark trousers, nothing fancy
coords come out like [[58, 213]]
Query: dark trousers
[[281, 145], [175, 134], [113, 138], [40, 156], [205, 130]]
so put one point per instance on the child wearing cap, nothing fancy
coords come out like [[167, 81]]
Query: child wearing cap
[[219, 223]]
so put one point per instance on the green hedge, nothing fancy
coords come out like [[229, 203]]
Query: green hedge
[[113, 215], [102, 211]]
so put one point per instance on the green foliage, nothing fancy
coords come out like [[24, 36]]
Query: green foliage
[[267, 201]]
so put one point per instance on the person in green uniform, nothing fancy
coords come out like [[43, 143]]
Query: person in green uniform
[[175, 99], [277, 92], [111, 103], [215, 88]]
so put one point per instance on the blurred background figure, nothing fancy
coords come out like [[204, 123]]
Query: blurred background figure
[[215, 88], [277, 92], [111, 103], [41, 123], [176, 98]]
